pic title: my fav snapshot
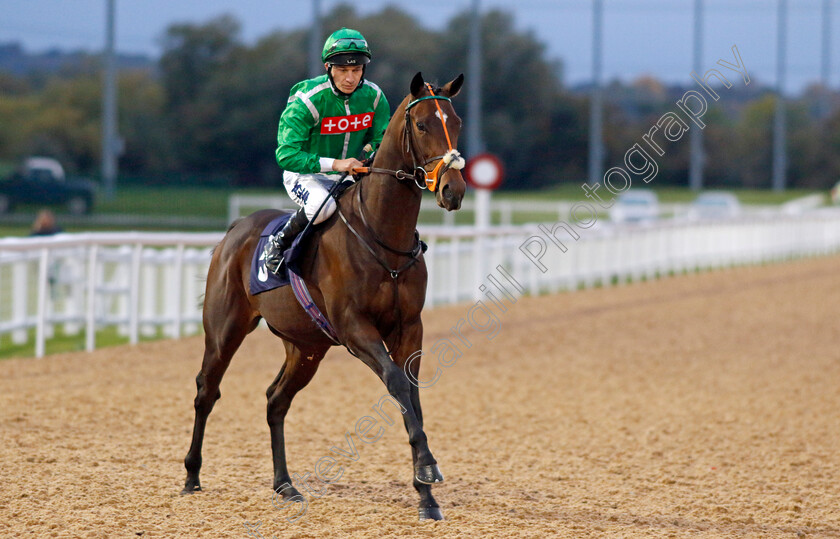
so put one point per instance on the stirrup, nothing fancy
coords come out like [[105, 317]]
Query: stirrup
[[272, 255], [269, 265]]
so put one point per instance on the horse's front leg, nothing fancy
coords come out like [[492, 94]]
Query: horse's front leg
[[366, 341], [406, 356]]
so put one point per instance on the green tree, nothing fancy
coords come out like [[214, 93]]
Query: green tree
[[66, 124], [518, 87], [148, 145], [752, 143], [193, 54], [234, 120]]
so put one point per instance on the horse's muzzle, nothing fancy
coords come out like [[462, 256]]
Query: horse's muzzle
[[448, 200]]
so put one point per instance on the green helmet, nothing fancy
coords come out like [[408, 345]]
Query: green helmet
[[346, 47]]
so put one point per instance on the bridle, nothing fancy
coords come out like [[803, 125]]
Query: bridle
[[422, 177], [451, 159]]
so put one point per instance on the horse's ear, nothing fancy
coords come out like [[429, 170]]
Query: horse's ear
[[452, 87], [417, 84]]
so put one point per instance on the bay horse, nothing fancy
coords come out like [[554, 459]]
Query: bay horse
[[344, 266]]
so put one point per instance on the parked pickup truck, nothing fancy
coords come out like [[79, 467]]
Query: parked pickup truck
[[41, 181]]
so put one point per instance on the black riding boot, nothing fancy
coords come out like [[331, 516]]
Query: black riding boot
[[277, 244]]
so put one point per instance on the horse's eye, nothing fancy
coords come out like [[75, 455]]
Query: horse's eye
[[421, 126]]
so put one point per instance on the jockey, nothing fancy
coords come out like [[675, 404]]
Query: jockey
[[327, 123]]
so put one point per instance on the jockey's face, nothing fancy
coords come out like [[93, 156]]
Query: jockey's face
[[346, 78]]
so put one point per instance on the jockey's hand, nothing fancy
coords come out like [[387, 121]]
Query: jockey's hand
[[345, 165]]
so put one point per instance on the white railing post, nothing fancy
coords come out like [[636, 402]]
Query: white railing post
[[506, 210], [134, 294], [72, 272], [193, 290], [454, 265], [43, 292], [430, 257], [148, 300], [449, 218], [90, 311], [20, 287], [179, 280], [233, 208], [479, 249]]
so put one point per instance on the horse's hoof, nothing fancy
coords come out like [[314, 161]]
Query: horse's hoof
[[430, 513], [428, 475], [287, 491], [189, 489]]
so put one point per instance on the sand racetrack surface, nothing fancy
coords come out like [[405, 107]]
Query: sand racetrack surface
[[704, 405]]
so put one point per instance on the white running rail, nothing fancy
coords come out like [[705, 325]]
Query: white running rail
[[145, 283]]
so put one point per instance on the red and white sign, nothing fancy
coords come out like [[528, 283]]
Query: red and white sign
[[335, 125], [485, 171]]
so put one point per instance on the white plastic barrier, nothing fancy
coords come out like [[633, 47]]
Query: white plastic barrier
[[128, 280], [143, 283], [460, 258]]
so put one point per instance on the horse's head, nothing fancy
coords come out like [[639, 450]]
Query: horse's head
[[431, 132]]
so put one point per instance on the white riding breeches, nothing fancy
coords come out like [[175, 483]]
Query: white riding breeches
[[309, 192]]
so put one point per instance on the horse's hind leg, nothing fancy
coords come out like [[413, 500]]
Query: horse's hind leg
[[298, 370], [226, 323]]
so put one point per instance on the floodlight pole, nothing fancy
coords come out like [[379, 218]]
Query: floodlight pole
[[315, 66], [596, 105], [695, 175], [475, 145], [825, 70], [109, 107], [779, 143]]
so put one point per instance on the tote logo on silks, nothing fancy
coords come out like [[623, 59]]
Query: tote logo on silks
[[335, 125]]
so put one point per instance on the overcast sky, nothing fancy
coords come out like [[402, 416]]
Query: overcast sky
[[640, 36]]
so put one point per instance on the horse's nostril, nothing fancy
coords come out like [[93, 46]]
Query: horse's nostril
[[447, 192]]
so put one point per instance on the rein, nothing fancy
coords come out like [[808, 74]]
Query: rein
[[414, 253]]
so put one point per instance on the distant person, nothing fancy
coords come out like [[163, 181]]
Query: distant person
[[44, 224], [327, 123]]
